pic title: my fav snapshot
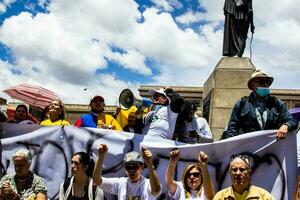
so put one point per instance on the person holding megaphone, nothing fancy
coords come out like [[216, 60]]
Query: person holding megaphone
[[161, 119]]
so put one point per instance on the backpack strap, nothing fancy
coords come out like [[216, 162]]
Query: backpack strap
[[94, 191], [243, 102]]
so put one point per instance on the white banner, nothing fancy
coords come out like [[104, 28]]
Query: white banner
[[274, 162]]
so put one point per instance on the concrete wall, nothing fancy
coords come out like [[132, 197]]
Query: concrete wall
[[227, 84]]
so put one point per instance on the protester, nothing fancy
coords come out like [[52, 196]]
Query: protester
[[195, 181], [80, 186], [23, 184], [21, 115], [260, 110], [135, 122], [191, 128], [134, 186], [97, 118], [56, 115], [241, 188], [161, 119], [121, 115]]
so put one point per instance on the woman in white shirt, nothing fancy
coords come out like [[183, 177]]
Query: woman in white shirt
[[195, 181]]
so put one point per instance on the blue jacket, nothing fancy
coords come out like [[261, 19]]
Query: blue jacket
[[244, 119]]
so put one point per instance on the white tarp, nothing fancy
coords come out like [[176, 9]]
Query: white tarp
[[274, 162]]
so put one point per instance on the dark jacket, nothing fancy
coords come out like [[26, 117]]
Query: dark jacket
[[244, 120]]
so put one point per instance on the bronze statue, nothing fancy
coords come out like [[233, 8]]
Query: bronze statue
[[238, 18]]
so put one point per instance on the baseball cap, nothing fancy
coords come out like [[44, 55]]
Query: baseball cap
[[97, 97], [160, 91], [133, 157]]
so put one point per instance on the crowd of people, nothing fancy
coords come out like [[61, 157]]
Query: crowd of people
[[169, 117], [87, 182]]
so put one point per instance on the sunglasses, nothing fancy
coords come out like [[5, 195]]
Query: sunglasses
[[132, 167], [194, 174], [264, 81]]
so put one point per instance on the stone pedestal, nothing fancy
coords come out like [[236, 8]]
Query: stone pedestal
[[226, 84]]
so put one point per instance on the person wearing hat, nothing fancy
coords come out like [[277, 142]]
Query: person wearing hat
[[97, 118], [134, 186], [161, 119], [241, 187], [259, 110]]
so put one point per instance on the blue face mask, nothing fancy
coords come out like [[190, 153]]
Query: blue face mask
[[263, 91]]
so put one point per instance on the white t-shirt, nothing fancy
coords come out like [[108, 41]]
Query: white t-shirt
[[123, 188], [180, 195], [160, 122]]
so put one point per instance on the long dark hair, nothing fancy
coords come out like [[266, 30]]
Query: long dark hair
[[86, 160]]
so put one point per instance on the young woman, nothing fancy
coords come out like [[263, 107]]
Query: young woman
[[80, 186], [56, 114], [195, 181]]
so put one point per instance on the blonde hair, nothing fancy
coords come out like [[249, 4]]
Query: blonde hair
[[184, 177]]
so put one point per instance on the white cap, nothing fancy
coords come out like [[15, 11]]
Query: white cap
[[160, 91]]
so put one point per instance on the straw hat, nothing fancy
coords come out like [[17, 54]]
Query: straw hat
[[258, 74]]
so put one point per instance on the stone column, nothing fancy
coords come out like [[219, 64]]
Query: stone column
[[226, 84]]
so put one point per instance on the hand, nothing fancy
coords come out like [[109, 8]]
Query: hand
[[147, 155], [102, 149], [8, 192], [203, 159], [174, 155], [282, 131], [194, 134], [102, 125]]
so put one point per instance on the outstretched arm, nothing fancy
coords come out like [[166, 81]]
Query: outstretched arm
[[207, 184], [169, 176], [154, 180], [97, 174]]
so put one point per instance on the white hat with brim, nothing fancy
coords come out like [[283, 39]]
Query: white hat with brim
[[258, 74], [154, 91]]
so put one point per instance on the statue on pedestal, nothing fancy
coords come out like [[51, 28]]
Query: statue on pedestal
[[238, 18]]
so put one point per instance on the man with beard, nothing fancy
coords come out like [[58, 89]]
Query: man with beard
[[241, 188], [97, 118], [134, 186]]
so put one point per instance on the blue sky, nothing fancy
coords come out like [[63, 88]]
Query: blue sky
[[107, 46]]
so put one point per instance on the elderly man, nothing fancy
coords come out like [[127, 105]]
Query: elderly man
[[161, 119], [96, 118], [134, 186], [260, 110], [241, 188], [23, 184]]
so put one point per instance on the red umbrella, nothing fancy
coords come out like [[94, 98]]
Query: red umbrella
[[31, 94]]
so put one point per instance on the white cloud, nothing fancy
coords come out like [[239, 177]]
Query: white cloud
[[131, 60], [213, 12], [167, 5], [74, 39], [5, 4]]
